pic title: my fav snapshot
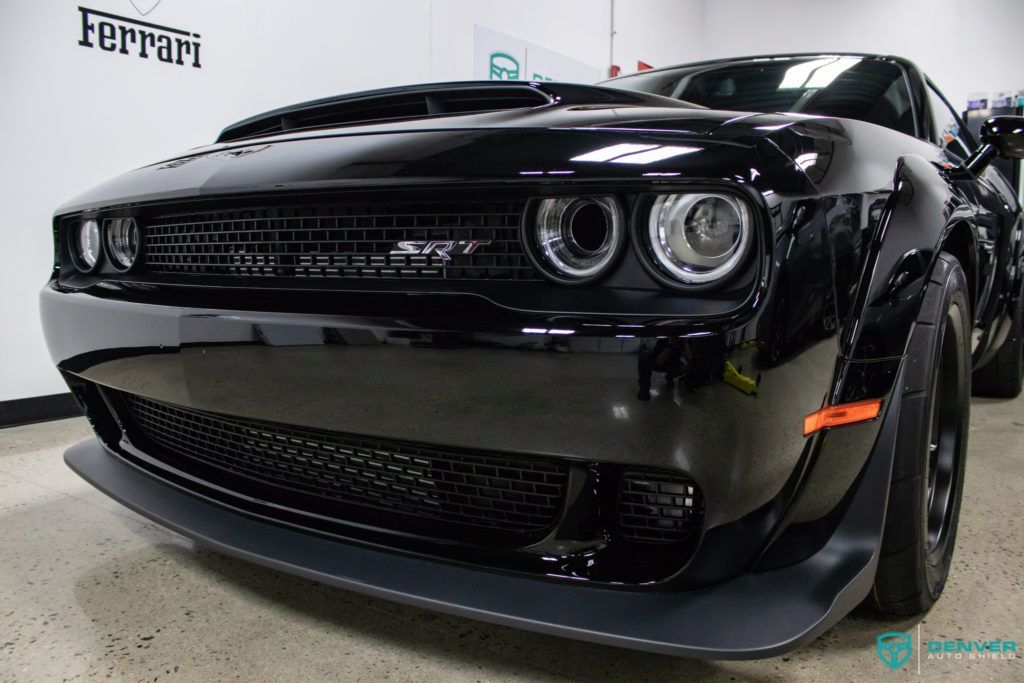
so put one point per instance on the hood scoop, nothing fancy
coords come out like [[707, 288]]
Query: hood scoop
[[422, 101], [385, 106]]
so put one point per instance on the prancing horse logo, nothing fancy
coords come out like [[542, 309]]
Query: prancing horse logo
[[144, 7], [894, 648], [443, 248]]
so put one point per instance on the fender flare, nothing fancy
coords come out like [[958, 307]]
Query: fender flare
[[923, 214]]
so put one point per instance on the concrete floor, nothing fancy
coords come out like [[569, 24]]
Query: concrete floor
[[90, 590]]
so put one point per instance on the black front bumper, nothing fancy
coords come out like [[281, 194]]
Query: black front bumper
[[754, 615], [791, 525]]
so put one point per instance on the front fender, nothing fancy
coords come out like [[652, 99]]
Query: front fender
[[916, 219]]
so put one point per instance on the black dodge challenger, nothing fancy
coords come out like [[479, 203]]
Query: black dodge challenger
[[679, 362]]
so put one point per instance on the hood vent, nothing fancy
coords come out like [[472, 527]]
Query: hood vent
[[389, 105]]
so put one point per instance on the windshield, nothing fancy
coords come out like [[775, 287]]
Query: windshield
[[864, 88]]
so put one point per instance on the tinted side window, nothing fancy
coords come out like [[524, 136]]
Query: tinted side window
[[873, 91], [948, 132]]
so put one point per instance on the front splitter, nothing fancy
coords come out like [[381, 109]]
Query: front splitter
[[754, 615]]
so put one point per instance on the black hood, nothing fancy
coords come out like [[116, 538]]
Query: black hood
[[435, 100], [541, 142]]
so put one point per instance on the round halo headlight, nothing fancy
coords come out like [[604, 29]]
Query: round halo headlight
[[85, 245], [697, 239], [575, 239], [122, 242]]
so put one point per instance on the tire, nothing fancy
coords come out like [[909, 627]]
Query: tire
[[1003, 375], [931, 445]]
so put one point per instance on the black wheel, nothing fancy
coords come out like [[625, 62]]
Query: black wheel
[[1003, 375], [928, 469]]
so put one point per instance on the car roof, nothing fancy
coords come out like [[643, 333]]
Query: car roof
[[785, 55]]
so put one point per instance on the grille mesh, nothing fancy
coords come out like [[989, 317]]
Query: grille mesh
[[658, 506], [341, 241], [494, 491]]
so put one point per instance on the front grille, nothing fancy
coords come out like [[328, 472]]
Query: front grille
[[395, 481], [658, 506], [342, 241]]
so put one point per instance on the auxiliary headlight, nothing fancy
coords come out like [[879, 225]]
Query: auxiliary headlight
[[574, 239], [698, 238], [122, 242], [85, 245]]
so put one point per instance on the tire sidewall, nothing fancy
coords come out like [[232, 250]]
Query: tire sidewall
[[937, 561], [909, 577]]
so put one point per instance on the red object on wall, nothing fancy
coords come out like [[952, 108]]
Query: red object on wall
[[614, 71], [642, 66]]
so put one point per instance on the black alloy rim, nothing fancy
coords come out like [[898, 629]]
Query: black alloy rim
[[944, 444]]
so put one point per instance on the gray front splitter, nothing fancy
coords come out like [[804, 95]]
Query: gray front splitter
[[754, 615]]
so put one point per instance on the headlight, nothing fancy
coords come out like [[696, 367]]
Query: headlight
[[122, 242], [85, 245], [698, 238], [574, 239]]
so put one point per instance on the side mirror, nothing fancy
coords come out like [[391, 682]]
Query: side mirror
[[1000, 135]]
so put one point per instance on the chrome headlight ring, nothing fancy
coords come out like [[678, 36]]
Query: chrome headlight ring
[[575, 240], [695, 239], [85, 244], [123, 242]]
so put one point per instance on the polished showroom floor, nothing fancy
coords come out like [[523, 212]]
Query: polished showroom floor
[[90, 590]]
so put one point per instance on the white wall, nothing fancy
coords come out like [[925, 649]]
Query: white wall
[[658, 32], [73, 116]]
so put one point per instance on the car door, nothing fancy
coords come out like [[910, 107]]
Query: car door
[[997, 211]]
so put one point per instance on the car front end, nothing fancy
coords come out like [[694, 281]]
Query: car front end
[[490, 362]]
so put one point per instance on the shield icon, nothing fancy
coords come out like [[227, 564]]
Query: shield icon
[[894, 648], [144, 7], [504, 67]]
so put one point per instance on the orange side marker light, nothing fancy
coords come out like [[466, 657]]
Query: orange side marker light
[[843, 414]]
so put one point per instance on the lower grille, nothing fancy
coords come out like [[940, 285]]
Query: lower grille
[[395, 481], [658, 506], [346, 241]]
